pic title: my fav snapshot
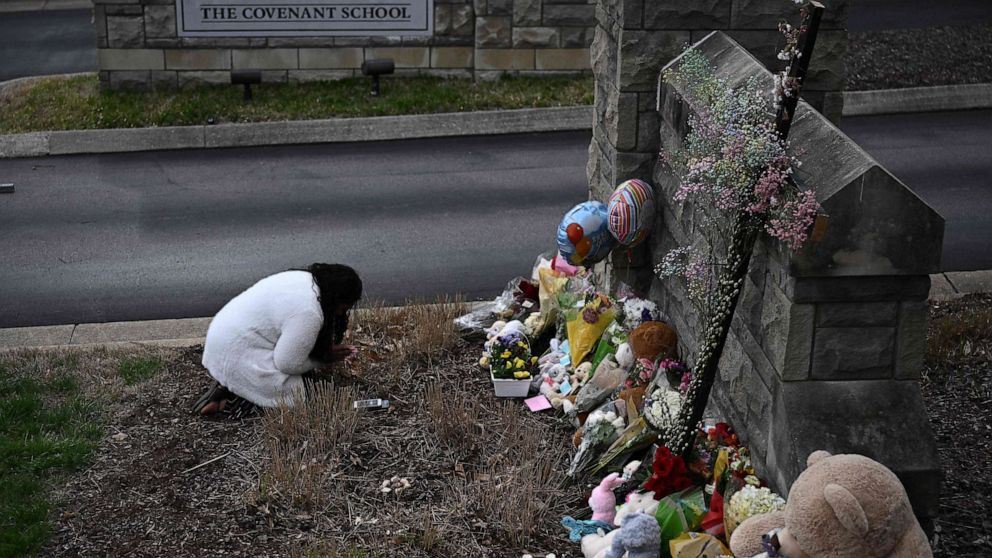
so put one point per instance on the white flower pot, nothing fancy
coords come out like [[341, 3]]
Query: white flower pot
[[511, 388]]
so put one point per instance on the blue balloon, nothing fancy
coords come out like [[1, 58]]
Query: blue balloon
[[584, 235]]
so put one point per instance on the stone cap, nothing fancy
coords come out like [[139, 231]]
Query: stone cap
[[877, 225]]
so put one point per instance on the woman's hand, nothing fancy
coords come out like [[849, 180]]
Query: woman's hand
[[343, 352]]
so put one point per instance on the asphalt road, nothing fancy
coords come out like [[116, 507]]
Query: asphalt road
[[947, 160], [46, 42], [176, 234], [875, 15]]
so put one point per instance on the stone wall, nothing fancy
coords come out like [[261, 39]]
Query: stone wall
[[138, 46], [827, 344]]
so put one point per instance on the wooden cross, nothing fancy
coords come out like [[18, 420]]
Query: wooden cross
[[813, 13]]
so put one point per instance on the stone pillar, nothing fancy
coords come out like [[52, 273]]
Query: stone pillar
[[827, 344], [634, 39]]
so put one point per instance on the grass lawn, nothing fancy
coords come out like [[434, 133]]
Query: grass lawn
[[77, 103]]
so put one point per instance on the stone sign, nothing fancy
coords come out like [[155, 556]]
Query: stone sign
[[289, 18]]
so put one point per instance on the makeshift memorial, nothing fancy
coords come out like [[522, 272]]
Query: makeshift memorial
[[638, 537], [607, 378], [668, 474], [602, 426], [661, 408], [697, 545], [844, 505], [748, 502], [642, 374], [602, 501], [680, 513], [584, 236], [653, 340], [596, 545], [631, 212], [635, 311], [608, 344], [637, 436], [625, 356], [586, 323], [580, 528], [509, 360]]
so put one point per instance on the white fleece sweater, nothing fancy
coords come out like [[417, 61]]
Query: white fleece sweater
[[258, 344]]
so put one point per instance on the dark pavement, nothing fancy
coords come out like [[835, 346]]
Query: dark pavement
[[46, 42], [176, 234], [876, 15]]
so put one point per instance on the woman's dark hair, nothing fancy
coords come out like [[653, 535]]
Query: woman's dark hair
[[336, 284]]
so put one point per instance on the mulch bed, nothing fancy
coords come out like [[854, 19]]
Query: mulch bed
[[919, 57], [958, 394]]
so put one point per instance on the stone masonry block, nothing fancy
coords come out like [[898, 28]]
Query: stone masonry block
[[911, 339], [160, 21], [216, 42], [856, 314], [274, 76], [452, 57], [861, 289], [171, 42], [853, 353], [266, 59], [576, 37], [687, 14], [462, 20], [766, 14], [198, 59], [405, 57], [504, 59], [130, 59], [131, 80], [531, 37], [125, 32], [581, 15], [632, 16], [299, 42], [624, 119], [647, 131], [644, 53], [442, 19], [123, 10], [827, 69], [192, 79], [331, 58], [499, 7], [527, 13], [100, 24], [305, 76], [562, 59], [786, 333], [448, 73], [164, 80], [492, 32], [368, 41], [633, 165]]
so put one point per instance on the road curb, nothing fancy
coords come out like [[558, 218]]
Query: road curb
[[918, 99], [12, 6], [191, 331], [418, 126], [335, 130]]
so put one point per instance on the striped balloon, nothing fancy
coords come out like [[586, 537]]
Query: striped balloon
[[630, 212]]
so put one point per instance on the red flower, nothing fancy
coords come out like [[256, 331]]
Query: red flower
[[669, 474]]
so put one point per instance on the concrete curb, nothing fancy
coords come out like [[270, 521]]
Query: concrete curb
[[191, 331], [334, 130], [381, 128], [918, 99], [11, 6]]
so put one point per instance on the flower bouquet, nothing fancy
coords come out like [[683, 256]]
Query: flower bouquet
[[510, 364], [601, 427], [747, 502], [585, 323]]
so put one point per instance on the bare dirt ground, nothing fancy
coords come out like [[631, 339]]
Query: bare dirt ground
[[486, 476]]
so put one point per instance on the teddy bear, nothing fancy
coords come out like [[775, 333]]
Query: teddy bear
[[638, 537], [842, 506], [653, 340], [596, 545]]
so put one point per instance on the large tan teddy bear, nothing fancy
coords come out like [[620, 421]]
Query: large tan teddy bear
[[841, 506]]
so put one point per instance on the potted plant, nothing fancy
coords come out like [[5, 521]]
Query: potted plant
[[510, 363]]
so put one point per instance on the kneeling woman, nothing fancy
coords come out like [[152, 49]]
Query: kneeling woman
[[264, 341]]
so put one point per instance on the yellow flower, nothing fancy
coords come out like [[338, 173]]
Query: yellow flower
[[521, 344], [521, 375], [533, 360], [519, 363], [506, 354], [484, 361]]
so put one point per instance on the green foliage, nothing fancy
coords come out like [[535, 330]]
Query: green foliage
[[135, 370], [46, 429], [77, 103]]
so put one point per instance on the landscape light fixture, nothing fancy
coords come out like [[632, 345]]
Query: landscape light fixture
[[376, 68], [7, 188], [246, 78]]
